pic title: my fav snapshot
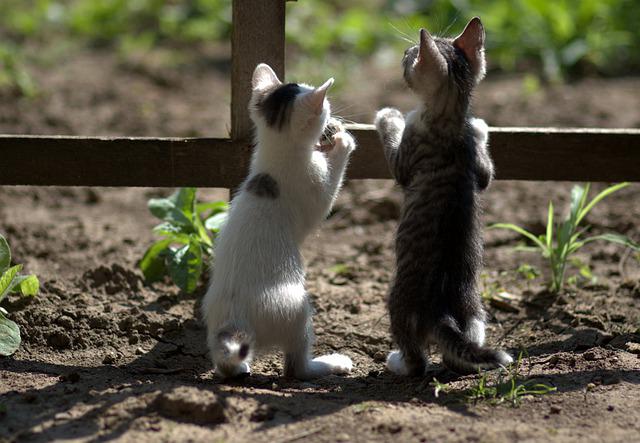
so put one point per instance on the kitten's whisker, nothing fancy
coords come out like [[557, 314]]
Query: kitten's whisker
[[455, 19], [404, 36]]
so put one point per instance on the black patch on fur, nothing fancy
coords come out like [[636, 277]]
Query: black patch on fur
[[263, 185], [244, 351], [276, 108]]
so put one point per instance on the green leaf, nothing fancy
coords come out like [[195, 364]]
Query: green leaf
[[7, 281], [153, 264], [178, 209], [215, 222], [185, 266], [214, 207], [5, 255], [549, 237], [610, 190], [520, 231], [615, 238], [30, 285], [9, 336]]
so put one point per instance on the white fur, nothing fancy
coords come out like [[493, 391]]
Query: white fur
[[396, 364], [475, 332], [257, 284]]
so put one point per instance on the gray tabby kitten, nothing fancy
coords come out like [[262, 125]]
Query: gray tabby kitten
[[439, 157]]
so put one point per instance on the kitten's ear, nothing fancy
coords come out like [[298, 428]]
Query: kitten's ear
[[471, 43], [428, 49], [315, 98], [264, 78]]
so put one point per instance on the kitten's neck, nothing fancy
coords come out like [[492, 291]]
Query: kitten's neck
[[444, 114], [275, 154]]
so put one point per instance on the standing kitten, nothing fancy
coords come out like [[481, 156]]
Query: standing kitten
[[439, 157], [256, 298]]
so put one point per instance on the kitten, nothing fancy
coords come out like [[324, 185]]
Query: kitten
[[256, 298], [439, 157]]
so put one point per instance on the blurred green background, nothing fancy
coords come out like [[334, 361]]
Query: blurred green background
[[554, 40]]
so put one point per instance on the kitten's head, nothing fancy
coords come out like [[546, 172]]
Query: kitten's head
[[441, 70], [296, 112]]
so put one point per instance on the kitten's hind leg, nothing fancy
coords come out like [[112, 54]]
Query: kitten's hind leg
[[410, 360], [299, 365]]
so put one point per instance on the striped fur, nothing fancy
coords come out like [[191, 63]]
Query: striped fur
[[438, 155]]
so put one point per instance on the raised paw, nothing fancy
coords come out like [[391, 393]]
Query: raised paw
[[481, 129], [336, 363], [388, 116], [344, 142]]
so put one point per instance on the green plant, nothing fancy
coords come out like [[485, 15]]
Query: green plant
[[11, 281], [558, 244], [188, 230], [509, 387]]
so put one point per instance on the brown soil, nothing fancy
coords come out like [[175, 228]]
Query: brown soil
[[106, 357]]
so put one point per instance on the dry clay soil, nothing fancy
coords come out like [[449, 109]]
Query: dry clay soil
[[106, 357]]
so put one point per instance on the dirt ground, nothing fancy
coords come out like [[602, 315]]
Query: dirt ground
[[105, 357]]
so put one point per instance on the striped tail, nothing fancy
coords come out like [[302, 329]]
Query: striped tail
[[462, 355]]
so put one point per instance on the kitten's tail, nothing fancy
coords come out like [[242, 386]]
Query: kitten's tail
[[463, 355], [232, 351]]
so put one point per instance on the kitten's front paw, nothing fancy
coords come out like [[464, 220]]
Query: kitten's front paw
[[339, 364], [386, 117], [481, 129], [343, 141]]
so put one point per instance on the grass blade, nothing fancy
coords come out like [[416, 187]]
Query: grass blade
[[520, 231], [610, 190]]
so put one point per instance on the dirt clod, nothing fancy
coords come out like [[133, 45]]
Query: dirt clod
[[192, 405]]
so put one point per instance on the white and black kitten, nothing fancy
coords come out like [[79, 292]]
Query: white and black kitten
[[439, 157], [257, 299]]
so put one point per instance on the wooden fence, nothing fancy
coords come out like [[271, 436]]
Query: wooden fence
[[258, 36]]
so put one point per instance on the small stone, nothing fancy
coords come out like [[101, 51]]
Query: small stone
[[591, 386], [610, 408], [133, 339], [343, 437], [139, 351], [555, 409], [590, 356], [109, 359], [263, 413], [192, 405]]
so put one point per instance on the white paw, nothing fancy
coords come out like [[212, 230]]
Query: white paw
[[481, 128], [505, 359], [343, 141], [386, 116], [395, 363], [243, 368], [337, 363]]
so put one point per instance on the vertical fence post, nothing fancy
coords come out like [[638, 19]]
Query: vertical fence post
[[257, 36]]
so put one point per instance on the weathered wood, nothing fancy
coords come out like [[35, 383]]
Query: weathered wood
[[580, 154], [257, 37], [93, 161], [607, 155]]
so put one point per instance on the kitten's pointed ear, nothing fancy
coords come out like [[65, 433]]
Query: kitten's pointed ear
[[471, 43], [428, 47], [264, 77], [315, 98]]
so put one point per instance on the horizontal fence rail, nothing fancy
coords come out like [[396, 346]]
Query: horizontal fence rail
[[519, 154]]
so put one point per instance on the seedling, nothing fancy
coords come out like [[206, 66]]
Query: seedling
[[558, 245], [188, 229], [11, 281], [509, 387]]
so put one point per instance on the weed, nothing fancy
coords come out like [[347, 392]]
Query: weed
[[188, 230], [568, 239], [11, 281], [509, 387]]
